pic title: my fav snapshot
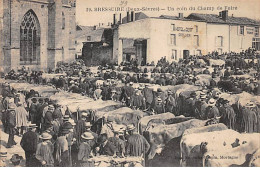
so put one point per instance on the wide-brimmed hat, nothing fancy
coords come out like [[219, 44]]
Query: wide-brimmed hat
[[45, 136], [11, 106], [72, 122], [131, 83], [130, 127], [3, 151], [87, 135], [113, 91], [66, 117], [50, 107], [84, 114], [67, 125], [87, 124], [250, 104], [212, 102]]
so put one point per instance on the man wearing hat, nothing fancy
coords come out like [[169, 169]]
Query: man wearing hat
[[212, 111], [159, 106], [105, 92], [190, 107], [170, 103], [107, 128], [128, 92], [44, 152], [21, 118], [148, 95], [11, 124], [97, 93], [200, 106], [137, 101], [118, 143], [88, 129], [228, 116], [105, 147], [29, 143], [48, 118], [249, 118], [80, 127], [62, 154], [33, 110], [136, 144], [85, 150]]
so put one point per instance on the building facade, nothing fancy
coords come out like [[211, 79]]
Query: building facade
[[37, 33], [178, 37]]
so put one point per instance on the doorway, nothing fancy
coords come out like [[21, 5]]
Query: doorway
[[186, 54]]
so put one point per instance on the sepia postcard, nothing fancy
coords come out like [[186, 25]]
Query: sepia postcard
[[129, 83]]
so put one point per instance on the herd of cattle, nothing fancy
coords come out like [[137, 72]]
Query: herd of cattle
[[175, 140]]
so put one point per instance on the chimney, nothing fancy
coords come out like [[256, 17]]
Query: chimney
[[98, 24], [132, 16], [224, 15], [95, 27], [181, 15], [127, 17], [114, 19], [120, 19]]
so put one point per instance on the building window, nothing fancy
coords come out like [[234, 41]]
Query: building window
[[173, 27], [256, 44], [63, 21], [88, 38], [256, 31], [196, 40], [219, 41], [241, 30], [30, 39], [174, 54], [196, 28], [173, 39]]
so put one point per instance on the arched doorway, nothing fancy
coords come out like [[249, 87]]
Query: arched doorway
[[30, 39]]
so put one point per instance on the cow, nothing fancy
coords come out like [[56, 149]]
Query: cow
[[162, 135], [143, 122], [238, 156], [185, 150], [192, 145]]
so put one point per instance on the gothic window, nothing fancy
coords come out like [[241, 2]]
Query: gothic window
[[63, 21], [30, 39]]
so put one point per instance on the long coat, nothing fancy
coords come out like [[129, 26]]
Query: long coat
[[148, 95], [21, 116]]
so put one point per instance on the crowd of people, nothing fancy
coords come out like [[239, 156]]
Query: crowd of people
[[51, 138]]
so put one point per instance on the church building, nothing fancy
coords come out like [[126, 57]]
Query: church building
[[36, 34]]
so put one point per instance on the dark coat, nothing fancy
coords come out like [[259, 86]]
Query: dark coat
[[29, 141], [148, 95]]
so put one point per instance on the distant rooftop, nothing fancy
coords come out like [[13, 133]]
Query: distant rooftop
[[212, 18]]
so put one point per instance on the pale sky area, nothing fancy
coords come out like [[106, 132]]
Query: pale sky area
[[241, 8]]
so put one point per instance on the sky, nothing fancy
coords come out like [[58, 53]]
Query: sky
[[86, 14]]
